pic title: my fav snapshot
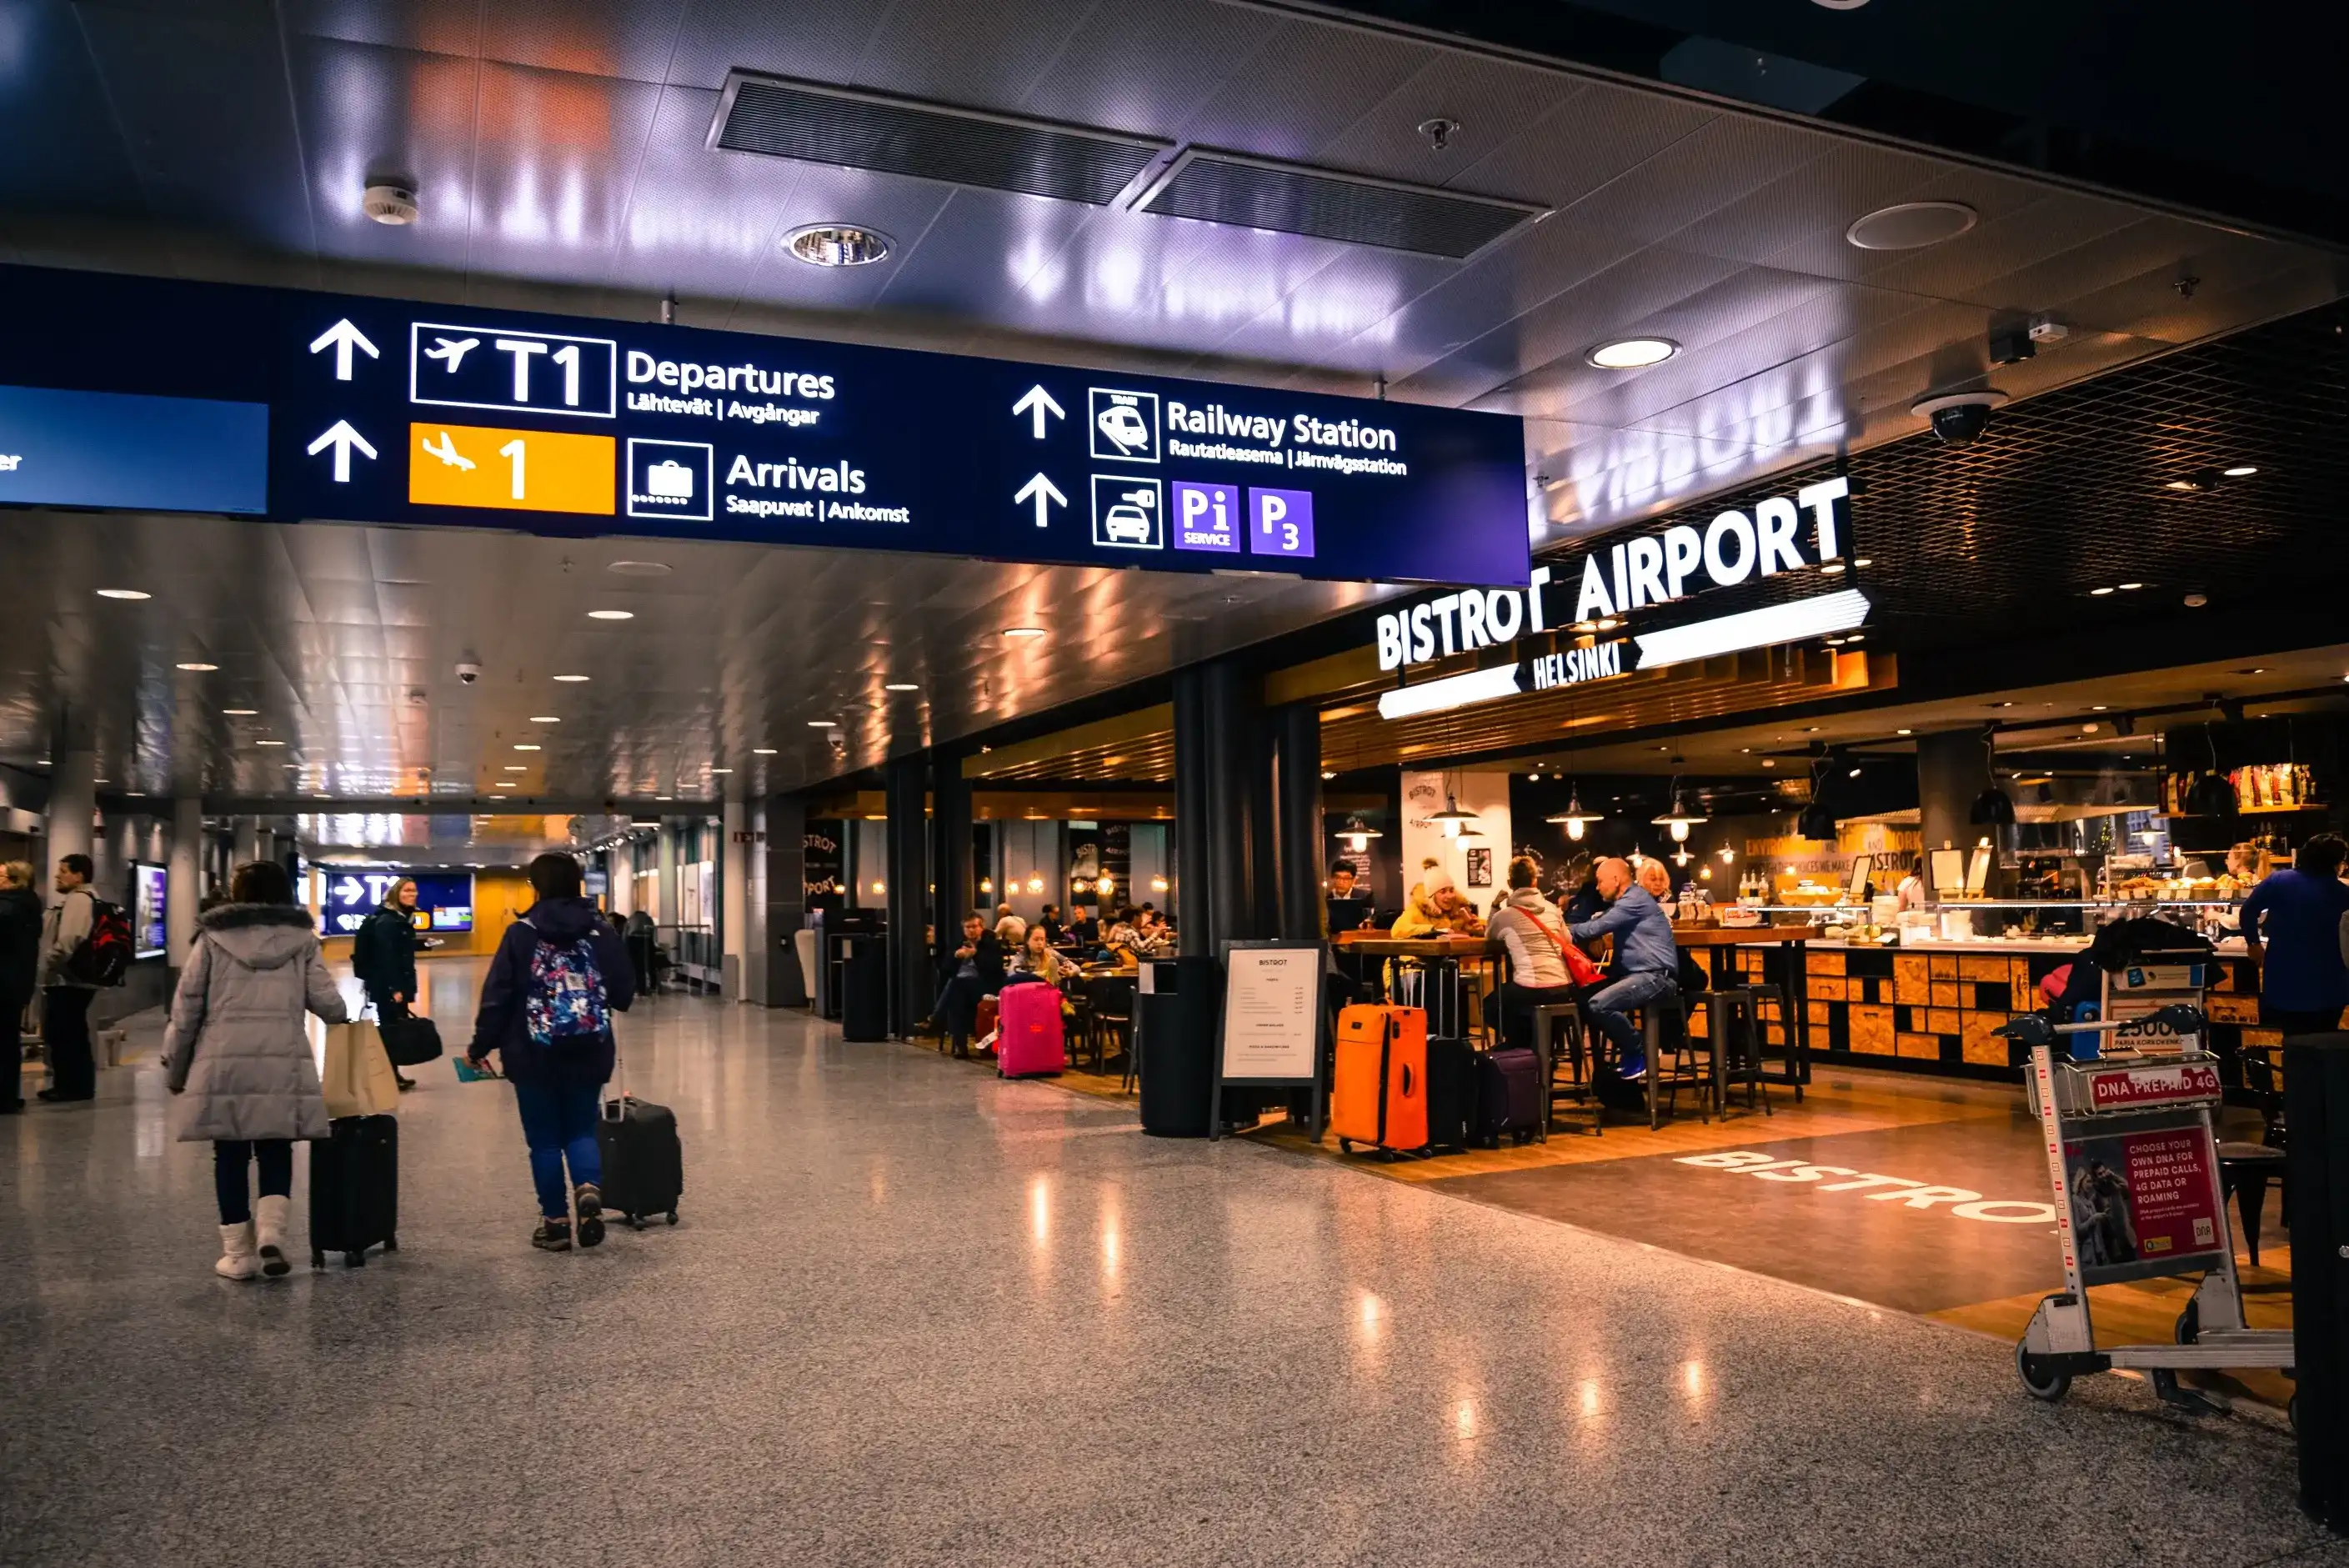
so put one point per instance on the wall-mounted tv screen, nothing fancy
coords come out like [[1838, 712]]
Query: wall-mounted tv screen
[[150, 922], [444, 899]]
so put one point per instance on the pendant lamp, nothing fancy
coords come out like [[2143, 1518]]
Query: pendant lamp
[[1574, 818], [1993, 807], [1680, 819]]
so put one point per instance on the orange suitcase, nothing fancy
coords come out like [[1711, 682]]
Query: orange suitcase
[[1379, 1096]]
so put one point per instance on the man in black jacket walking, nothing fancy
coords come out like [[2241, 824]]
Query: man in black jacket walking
[[973, 971]]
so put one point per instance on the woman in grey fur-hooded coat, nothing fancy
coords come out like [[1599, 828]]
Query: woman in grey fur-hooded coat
[[237, 1053]]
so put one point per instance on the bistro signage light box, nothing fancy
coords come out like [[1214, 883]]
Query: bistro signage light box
[[159, 395]]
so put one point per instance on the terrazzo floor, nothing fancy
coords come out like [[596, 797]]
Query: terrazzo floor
[[917, 1316]]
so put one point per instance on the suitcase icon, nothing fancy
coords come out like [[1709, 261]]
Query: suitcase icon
[[669, 480]]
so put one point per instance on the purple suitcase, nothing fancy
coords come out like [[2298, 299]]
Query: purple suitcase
[[1508, 1096]]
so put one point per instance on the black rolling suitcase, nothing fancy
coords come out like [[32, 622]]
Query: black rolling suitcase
[[1508, 1096], [355, 1190], [1451, 1094], [643, 1162]]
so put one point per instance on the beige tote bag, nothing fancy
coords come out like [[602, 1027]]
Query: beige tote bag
[[357, 1079]]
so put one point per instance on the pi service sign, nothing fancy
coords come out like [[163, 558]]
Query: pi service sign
[[299, 406]]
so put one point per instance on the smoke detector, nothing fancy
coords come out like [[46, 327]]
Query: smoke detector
[[389, 201]]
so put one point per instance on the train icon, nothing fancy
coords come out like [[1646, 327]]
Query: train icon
[[1124, 425]]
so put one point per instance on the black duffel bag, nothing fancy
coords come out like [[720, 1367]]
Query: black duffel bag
[[410, 1042]]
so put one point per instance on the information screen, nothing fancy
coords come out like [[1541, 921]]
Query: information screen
[[150, 917], [444, 899], [372, 411]]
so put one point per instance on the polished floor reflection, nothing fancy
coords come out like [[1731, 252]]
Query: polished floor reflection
[[915, 1314]]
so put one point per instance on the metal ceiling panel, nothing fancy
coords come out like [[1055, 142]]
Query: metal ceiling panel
[[51, 98], [891, 135], [1325, 204], [366, 109], [1300, 88], [818, 40], [1149, 67], [705, 225], [630, 39], [547, 146]]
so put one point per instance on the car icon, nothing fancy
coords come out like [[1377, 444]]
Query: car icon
[[1127, 522], [1123, 425]]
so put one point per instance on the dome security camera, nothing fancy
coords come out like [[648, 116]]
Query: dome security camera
[[1958, 418], [468, 671]]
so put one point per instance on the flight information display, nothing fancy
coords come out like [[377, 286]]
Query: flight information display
[[301, 406]]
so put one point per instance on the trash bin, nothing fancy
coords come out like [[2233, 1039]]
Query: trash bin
[[865, 986], [1178, 1047]]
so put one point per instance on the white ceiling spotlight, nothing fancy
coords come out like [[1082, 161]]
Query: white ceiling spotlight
[[1910, 225], [639, 568], [391, 202], [197, 666], [838, 244], [610, 615], [1633, 353]]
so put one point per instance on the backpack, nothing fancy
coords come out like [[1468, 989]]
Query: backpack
[[103, 957], [566, 1007]]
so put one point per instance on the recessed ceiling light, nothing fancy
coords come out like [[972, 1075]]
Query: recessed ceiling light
[[1856, 637], [1023, 631], [240, 712], [901, 686], [824, 723], [1831, 568], [198, 666], [1862, 561], [721, 770], [571, 680], [838, 244], [268, 742], [322, 795], [503, 783], [2130, 588], [124, 593], [2187, 485], [664, 797], [762, 751], [1633, 353], [1904, 732], [639, 568], [1910, 225], [517, 768], [2098, 593], [1810, 729], [525, 746], [2098, 707], [1769, 762], [544, 719], [2240, 470], [610, 615]]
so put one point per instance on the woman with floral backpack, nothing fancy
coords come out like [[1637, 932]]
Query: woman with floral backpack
[[546, 1010]]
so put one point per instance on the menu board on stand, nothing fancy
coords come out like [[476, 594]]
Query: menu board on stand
[[1273, 1031]]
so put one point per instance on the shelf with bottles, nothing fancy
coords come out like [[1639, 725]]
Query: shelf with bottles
[[2258, 790]]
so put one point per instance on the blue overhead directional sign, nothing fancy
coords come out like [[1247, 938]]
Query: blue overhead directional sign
[[373, 410]]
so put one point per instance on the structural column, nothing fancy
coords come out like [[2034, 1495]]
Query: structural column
[[733, 907], [246, 845], [954, 894], [73, 801], [908, 893], [184, 880], [1952, 769], [1221, 805], [787, 984], [1297, 819]]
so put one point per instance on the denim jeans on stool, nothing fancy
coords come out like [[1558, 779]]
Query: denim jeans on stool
[[1611, 1005]]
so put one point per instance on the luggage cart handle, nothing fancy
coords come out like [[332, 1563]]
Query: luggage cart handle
[[2178, 1017]]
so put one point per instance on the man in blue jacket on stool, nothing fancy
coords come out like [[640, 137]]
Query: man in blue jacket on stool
[[1645, 952]]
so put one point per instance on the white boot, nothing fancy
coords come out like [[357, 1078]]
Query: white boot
[[236, 1259], [269, 1219]]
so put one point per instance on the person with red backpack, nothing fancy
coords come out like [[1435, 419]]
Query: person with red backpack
[[69, 981], [546, 1010]]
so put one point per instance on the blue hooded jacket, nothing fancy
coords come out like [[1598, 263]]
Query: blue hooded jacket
[[501, 1023]]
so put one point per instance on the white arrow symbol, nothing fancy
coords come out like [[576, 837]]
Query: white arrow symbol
[[1038, 403], [1039, 490], [342, 337], [342, 438]]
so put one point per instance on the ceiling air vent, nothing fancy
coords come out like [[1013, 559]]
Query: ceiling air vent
[[1223, 188], [927, 141]]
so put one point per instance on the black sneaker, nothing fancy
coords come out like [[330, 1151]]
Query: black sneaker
[[551, 1236], [590, 1203]]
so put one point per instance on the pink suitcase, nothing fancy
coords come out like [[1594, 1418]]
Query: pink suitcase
[[1029, 1040]]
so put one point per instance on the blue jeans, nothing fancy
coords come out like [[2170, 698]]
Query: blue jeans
[[558, 1120], [1610, 1007]]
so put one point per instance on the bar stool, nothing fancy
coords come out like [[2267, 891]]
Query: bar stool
[[1676, 1066], [1549, 1020], [1734, 1024], [2243, 1172]]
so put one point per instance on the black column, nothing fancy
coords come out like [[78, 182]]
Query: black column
[[1192, 874], [1296, 816], [786, 851], [1235, 793], [950, 840], [903, 784], [2316, 1106]]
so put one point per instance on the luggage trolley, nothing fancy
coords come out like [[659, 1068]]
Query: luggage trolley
[[2133, 1164]]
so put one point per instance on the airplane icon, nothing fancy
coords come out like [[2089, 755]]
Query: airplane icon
[[453, 350], [447, 453]]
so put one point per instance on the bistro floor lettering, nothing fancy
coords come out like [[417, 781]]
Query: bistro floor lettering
[[1963, 1202]]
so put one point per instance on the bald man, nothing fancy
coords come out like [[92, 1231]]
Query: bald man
[[1644, 950]]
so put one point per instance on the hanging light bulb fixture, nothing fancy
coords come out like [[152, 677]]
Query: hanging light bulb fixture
[[1574, 818], [1358, 836], [1451, 819], [2213, 793], [1993, 807], [1816, 821], [1680, 819]]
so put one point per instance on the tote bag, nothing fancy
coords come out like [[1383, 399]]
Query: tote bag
[[357, 1079]]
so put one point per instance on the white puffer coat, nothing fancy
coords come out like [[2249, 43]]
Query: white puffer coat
[[238, 1045]]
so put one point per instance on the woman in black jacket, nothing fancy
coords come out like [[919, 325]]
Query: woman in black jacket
[[383, 956], [20, 955]]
